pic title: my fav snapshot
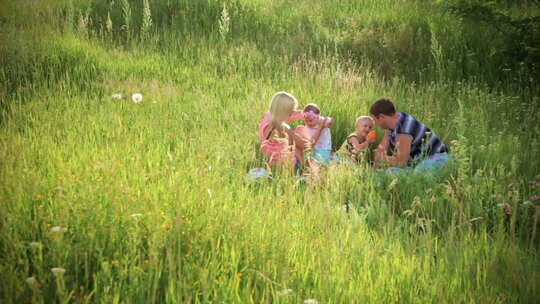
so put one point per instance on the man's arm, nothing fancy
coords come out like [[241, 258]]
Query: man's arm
[[383, 145], [381, 151], [403, 149]]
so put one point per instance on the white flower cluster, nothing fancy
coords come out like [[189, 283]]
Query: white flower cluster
[[136, 97]]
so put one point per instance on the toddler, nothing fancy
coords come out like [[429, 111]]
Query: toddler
[[360, 140], [316, 134]]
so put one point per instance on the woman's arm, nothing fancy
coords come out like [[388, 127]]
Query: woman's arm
[[296, 115]]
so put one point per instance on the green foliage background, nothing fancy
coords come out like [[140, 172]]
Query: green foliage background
[[152, 197]]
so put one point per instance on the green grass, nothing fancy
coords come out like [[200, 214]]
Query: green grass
[[153, 196]]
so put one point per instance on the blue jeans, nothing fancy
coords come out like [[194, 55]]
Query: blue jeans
[[429, 165]]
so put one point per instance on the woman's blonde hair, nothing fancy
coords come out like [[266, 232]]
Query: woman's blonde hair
[[360, 118], [281, 105]]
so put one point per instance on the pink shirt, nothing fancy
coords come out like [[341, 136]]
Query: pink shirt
[[271, 148]]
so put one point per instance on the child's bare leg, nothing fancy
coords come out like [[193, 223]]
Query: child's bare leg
[[314, 169]]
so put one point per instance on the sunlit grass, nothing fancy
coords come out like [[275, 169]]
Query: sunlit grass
[[108, 200]]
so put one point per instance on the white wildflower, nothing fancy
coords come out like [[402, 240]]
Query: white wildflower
[[284, 292], [311, 301], [58, 270], [117, 96], [209, 192], [137, 97], [136, 214], [58, 229], [31, 280], [35, 244]]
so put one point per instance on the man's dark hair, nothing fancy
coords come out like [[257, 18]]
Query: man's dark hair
[[382, 106]]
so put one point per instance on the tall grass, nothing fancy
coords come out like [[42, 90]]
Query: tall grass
[[149, 202]]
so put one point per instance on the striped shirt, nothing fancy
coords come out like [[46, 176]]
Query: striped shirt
[[424, 142]]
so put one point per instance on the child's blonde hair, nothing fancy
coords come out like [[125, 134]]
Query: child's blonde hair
[[363, 117], [281, 105]]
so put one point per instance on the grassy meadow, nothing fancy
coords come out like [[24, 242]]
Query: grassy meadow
[[104, 200]]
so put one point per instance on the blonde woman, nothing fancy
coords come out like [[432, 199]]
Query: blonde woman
[[277, 141]]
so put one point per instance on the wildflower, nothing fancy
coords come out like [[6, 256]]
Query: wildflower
[[137, 97], [507, 208], [117, 96], [58, 270], [408, 212], [136, 214], [311, 301], [392, 184], [209, 192], [284, 292], [35, 244], [58, 229], [31, 281], [535, 198]]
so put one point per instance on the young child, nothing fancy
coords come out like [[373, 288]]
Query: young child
[[317, 136], [359, 141], [275, 135]]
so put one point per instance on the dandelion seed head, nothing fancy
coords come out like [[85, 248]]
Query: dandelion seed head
[[136, 98]]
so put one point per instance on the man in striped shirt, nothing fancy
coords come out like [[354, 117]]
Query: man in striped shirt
[[411, 142]]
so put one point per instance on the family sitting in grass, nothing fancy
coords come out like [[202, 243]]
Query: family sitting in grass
[[407, 144]]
